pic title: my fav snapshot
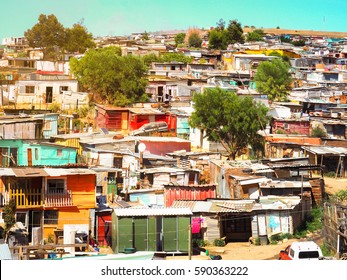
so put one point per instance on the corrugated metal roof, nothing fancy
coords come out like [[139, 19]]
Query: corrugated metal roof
[[202, 206], [155, 139], [277, 202], [5, 253], [168, 211], [184, 203], [286, 184], [6, 172], [163, 170], [95, 141], [234, 206], [325, 150], [145, 111], [29, 172], [67, 171]]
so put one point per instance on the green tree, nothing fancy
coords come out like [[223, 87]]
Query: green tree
[[221, 37], [194, 40], [149, 58], [145, 36], [48, 35], [235, 32], [299, 43], [179, 38], [285, 39], [78, 39], [220, 24], [177, 57], [273, 78], [228, 119], [275, 53], [9, 216], [115, 79], [255, 36], [218, 39]]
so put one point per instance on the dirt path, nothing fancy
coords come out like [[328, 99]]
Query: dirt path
[[333, 185], [240, 251], [245, 251]]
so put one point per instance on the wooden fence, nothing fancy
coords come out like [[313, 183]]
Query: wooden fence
[[335, 228]]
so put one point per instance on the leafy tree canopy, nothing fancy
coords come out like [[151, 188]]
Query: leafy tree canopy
[[228, 119], [273, 78], [194, 40], [49, 35], [255, 36], [235, 32], [220, 24], [78, 39], [115, 79], [179, 38], [218, 39], [221, 37], [9, 216]]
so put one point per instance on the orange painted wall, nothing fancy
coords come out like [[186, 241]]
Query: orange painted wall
[[71, 215], [83, 199], [83, 190]]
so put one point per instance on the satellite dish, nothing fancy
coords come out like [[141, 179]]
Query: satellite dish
[[142, 147]]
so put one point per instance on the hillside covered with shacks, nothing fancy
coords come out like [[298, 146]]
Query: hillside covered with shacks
[[82, 171]]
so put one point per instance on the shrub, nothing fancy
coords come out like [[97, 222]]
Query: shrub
[[330, 174], [318, 132], [219, 242], [312, 223], [200, 242], [340, 196], [325, 250], [280, 237]]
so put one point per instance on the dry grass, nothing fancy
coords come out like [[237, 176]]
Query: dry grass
[[280, 31]]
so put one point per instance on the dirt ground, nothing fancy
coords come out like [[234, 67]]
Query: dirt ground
[[247, 251], [333, 185]]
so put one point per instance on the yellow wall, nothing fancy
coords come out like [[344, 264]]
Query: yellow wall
[[67, 216], [70, 143], [268, 52]]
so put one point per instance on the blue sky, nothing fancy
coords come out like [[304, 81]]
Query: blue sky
[[123, 17]]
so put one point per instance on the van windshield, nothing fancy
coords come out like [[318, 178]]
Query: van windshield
[[308, 255]]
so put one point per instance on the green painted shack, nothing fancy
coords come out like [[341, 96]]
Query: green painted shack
[[35, 153], [165, 229]]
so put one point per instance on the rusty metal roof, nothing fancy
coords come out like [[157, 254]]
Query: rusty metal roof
[[29, 172], [231, 206]]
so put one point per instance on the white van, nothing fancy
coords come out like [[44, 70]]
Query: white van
[[306, 250]]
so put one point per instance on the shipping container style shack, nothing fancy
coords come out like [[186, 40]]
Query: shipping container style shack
[[151, 229]]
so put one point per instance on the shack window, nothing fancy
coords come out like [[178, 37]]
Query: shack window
[[36, 153], [21, 217], [51, 217], [55, 185], [13, 156], [29, 89], [47, 125], [4, 156], [59, 152], [63, 88]]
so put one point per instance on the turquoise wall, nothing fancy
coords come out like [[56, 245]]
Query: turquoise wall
[[41, 154], [48, 155]]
